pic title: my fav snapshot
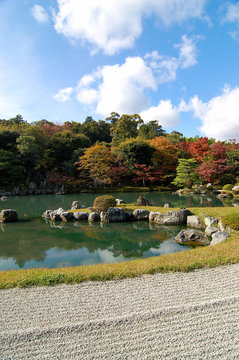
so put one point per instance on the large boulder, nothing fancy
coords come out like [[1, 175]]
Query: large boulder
[[67, 216], [195, 222], [8, 215], [153, 214], [47, 214], [113, 215], [141, 214], [178, 217], [211, 230], [94, 216], [141, 201], [75, 205], [210, 221], [81, 215], [219, 237], [193, 237], [53, 215]]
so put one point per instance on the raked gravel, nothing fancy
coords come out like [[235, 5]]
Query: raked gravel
[[164, 316]]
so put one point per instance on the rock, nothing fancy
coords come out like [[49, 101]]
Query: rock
[[113, 215], [209, 185], [75, 205], [46, 214], [120, 201], [195, 222], [210, 221], [141, 214], [55, 215], [8, 215], [191, 236], [142, 201], [80, 215], [177, 217], [129, 216], [235, 188], [219, 237], [4, 198], [67, 216], [166, 205], [153, 214], [220, 225], [94, 216], [211, 230]]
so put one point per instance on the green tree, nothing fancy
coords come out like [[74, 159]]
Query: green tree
[[186, 175], [135, 151], [151, 130], [126, 127], [11, 169]]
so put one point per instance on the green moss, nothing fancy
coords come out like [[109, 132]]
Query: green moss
[[104, 202]]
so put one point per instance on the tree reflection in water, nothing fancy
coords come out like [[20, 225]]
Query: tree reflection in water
[[32, 242]]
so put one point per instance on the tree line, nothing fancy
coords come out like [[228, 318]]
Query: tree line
[[119, 150]]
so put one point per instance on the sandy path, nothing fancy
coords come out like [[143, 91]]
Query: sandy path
[[163, 316]]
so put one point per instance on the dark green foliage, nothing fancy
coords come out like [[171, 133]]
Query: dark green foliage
[[126, 127], [186, 175], [104, 202], [151, 130], [135, 151]]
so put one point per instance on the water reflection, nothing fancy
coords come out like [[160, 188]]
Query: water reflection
[[37, 244]]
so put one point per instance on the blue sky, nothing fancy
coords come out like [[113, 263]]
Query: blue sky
[[175, 61]]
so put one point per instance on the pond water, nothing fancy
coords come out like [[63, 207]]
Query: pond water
[[32, 242]]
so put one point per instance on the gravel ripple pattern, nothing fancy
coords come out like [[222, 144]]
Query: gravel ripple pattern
[[189, 316]]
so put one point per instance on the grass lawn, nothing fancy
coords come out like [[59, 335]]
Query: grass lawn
[[211, 256]]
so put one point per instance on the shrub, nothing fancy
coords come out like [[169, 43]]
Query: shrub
[[228, 187], [104, 202]]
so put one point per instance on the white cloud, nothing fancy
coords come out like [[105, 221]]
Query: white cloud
[[117, 88], [166, 67], [219, 116], [232, 14], [114, 25], [166, 114], [87, 96], [123, 87], [63, 94], [40, 14], [188, 52]]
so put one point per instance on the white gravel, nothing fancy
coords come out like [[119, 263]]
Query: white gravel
[[163, 316]]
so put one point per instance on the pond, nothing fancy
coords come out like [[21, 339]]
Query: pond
[[32, 242]]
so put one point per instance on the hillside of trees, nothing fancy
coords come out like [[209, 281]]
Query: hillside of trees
[[120, 150]]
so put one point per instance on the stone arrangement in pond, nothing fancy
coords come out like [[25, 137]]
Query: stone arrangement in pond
[[213, 233]]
